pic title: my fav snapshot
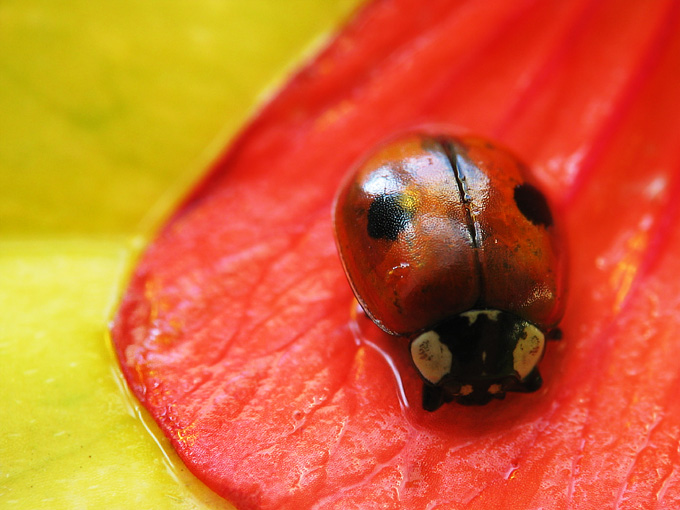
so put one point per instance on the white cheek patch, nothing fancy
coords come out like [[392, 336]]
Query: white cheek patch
[[431, 357], [528, 351]]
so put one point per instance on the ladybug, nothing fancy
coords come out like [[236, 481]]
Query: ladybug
[[447, 242]]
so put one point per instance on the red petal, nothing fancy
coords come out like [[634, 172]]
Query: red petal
[[238, 331]]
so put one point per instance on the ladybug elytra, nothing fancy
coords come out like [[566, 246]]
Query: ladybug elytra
[[446, 241]]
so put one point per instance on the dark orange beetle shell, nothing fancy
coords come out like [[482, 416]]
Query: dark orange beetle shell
[[430, 226]]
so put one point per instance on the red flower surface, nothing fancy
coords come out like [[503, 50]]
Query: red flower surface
[[239, 334]]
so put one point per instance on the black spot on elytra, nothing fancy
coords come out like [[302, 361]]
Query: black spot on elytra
[[387, 217], [533, 205]]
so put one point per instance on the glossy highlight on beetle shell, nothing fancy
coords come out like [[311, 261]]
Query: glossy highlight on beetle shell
[[430, 228]]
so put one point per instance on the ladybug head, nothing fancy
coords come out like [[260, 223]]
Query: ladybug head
[[477, 356]]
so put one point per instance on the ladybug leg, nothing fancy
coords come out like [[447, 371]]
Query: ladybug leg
[[529, 384], [554, 334], [434, 397]]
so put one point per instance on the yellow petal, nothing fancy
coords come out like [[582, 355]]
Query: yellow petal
[[108, 112]]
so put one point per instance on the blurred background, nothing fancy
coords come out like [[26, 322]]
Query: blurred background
[[109, 111]]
